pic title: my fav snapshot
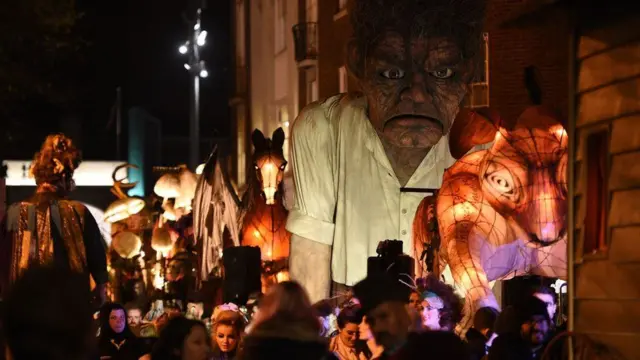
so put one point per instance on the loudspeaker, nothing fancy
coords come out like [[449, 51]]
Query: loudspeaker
[[242, 270]]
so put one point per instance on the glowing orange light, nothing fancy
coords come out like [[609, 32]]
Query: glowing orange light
[[256, 233]]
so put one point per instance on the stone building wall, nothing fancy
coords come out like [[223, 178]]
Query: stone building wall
[[607, 272]]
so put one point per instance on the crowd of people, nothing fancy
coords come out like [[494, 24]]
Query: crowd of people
[[48, 314]]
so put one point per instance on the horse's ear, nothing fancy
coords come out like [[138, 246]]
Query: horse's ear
[[257, 138], [471, 128], [277, 139]]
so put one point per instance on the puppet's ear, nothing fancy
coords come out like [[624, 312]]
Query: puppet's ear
[[354, 59], [277, 139], [471, 128], [257, 138]]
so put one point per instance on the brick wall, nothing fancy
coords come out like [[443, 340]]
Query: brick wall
[[607, 282], [334, 30], [512, 49]]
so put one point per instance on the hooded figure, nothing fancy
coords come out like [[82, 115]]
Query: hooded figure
[[116, 339]]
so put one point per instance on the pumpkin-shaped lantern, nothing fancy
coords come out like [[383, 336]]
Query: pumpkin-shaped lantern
[[161, 240], [126, 244]]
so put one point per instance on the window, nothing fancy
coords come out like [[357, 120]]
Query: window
[[596, 195], [280, 26], [283, 122], [241, 153], [478, 96], [344, 79], [240, 28], [312, 91], [312, 10]]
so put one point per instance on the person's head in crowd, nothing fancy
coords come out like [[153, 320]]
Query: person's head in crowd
[[548, 297], [441, 306], [349, 320], [113, 321], [438, 345], [288, 302], [484, 321], [384, 303], [226, 330], [182, 339], [134, 314], [415, 300], [534, 320], [47, 315]]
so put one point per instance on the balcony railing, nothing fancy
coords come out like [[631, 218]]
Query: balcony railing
[[305, 38]]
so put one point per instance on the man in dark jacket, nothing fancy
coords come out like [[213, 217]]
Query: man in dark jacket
[[384, 301], [526, 336]]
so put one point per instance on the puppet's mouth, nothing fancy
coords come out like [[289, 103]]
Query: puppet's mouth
[[418, 122]]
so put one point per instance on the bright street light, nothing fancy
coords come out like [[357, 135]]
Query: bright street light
[[187, 66], [204, 73], [202, 38], [183, 49]]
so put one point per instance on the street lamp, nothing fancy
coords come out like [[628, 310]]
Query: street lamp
[[196, 69]]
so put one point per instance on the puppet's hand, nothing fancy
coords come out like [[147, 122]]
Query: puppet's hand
[[310, 264]]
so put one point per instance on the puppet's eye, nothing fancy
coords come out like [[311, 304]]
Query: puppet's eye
[[442, 73], [393, 73]]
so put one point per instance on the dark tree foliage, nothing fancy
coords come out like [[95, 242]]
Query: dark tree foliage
[[41, 69]]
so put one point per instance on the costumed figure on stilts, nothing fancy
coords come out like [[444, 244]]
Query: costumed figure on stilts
[[49, 228]]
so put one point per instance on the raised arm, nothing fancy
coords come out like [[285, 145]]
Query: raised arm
[[311, 221]]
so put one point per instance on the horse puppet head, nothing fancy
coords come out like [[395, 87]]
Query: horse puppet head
[[269, 162]]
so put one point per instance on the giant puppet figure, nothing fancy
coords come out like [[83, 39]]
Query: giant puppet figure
[[49, 228], [358, 159]]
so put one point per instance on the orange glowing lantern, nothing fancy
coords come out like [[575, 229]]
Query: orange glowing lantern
[[501, 211]]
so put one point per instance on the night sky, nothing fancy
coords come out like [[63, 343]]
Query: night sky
[[134, 45]]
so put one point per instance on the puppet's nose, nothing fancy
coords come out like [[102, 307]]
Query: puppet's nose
[[417, 90]]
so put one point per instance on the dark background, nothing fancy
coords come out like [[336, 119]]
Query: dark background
[[61, 75]]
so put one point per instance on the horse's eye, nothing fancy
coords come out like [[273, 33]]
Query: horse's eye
[[283, 166], [256, 167]]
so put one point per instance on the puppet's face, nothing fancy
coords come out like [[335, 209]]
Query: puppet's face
[[414, 87]]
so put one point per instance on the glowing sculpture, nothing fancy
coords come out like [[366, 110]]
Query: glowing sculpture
[[259, 219], [500, 212], [126, 244], [179, 184], [264, 221], [125, 206]]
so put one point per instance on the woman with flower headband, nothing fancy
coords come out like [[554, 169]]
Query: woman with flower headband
[[441, 306], [48, 228]]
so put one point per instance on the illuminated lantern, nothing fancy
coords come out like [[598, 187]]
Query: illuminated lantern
[[122, 209], [126, 244], [161, 240], [167, 186], [188, 183], [125, 206], [500, 212]]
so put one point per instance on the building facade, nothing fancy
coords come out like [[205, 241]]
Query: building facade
[[265, 90]]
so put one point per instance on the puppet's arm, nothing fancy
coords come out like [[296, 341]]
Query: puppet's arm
[[310, 264]]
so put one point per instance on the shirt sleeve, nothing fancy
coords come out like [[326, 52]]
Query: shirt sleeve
[[313, 148], [96, 254]]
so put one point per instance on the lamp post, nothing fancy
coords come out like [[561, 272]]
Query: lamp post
[[196, 69]]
